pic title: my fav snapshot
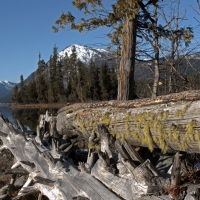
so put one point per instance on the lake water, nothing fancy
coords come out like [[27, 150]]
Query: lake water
[[28, 117]]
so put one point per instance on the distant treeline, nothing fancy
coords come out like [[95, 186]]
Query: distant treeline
[[70, 80], [67, 80]]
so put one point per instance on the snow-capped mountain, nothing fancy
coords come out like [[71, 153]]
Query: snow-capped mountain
[[85, 53], [6, 87]]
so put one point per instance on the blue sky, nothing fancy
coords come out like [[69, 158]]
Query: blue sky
[[26, 30]]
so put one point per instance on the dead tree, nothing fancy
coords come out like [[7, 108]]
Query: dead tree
[[170, 122], [49, 171]]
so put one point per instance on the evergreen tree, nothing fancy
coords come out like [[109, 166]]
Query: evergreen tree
[[52, 94], [104, 80], [31, 91], [93, 81], [15, 94], [41, 82], [21, 83], [66, 72], [113, 83], [82, 82], [22, 94], [58, 84], [73, 79]]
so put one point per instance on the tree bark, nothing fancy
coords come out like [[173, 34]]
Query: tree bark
[[126, 83], [156, 58], [170, 122]]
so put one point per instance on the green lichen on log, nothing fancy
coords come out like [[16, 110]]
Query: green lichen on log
[[81, 124], [180, 113], [127, 121], [106, 119], [189, 135], [173, 134], [148, 128], [197, 137], [162, 137], [92, 145], [147, 137], [163, 115]]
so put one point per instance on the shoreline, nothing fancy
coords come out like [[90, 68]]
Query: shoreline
[[39, 105]]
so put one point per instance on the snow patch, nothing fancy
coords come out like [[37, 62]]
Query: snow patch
[[84, 53]]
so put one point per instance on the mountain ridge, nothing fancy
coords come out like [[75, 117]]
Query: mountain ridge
[[86, 53], [6, 87]]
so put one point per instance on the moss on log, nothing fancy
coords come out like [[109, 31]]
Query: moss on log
[[166, 122]]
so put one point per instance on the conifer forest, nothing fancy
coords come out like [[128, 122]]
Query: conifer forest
[[67, 80]]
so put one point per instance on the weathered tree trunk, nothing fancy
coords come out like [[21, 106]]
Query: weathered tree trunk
[[170, 122], [171, 68], [126, 83], [156, 57]]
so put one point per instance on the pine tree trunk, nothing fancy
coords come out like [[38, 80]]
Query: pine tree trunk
[[171, 68], [126, 84], [156, 59], [156, 77]]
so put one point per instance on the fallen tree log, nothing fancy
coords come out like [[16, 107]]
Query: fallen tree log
[[52, 173], [170, 122]]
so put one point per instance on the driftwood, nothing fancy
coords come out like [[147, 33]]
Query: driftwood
[[134, 181], [175, 174], [50, 172], [113, 169], [170, 122]]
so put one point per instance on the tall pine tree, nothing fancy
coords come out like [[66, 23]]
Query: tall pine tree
[[15, 94], [31, 91], [104, 80], [52, 93], [113, 82], [73, 79], [93, 81], [58, 84], [22, 93], [41, 81]]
